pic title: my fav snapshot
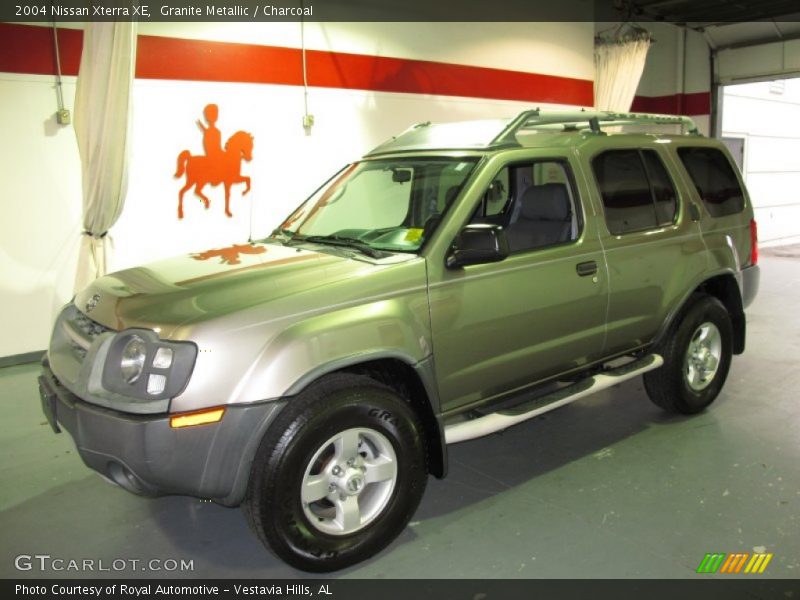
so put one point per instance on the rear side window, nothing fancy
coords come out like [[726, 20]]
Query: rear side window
[[663, 191], [715, 180], [636, 190]]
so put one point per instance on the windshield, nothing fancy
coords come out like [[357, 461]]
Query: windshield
[[390, 204]]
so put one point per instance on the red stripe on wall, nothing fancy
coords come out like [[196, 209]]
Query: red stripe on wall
[[29, 49], [676, 104]]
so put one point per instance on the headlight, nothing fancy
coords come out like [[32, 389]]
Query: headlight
[[140, 365], [132, 360]]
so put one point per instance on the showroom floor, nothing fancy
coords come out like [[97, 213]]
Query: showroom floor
[[606, 487]]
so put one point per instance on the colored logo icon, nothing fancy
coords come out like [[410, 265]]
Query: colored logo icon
[[735, 563]]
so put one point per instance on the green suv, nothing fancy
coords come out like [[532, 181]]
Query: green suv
[[460, 279]]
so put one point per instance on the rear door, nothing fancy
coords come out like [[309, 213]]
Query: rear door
[[651, 240]]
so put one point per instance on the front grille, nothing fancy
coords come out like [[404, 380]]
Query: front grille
[[90, 329], [78, 351], [81, 331]]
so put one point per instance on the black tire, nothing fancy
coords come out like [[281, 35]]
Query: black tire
[[335, 404], [668, 386]]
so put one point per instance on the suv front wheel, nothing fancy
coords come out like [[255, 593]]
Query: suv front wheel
[[338, 475], [697, 355]]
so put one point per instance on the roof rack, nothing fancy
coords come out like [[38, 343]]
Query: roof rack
[[488, 134], [533, 119]]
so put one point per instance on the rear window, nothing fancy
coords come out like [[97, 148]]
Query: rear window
[[715, 180], [637, 193]]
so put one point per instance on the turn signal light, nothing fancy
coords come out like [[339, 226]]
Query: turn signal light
[[201, 417]]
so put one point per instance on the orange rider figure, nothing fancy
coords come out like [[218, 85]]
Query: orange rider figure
[[212, 139]]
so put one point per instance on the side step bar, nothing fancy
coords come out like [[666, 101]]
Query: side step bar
[[475, 428]]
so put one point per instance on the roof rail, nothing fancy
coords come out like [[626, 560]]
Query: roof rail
[[531, 119]]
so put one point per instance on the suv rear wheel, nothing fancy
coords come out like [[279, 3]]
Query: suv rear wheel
[[338, 475], [697, 355]]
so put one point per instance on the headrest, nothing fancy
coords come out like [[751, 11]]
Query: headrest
[[548, 202]]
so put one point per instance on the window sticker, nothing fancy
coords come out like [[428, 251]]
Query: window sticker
[[413, 235]]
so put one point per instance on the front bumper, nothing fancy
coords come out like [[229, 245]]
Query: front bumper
[[144, 455]]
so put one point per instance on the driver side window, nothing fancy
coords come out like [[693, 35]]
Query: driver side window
[[534, 202]]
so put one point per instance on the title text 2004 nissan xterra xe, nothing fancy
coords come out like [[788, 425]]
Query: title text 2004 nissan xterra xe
[[458, 280]]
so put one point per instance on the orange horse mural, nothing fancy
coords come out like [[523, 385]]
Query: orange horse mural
[[215, 167]]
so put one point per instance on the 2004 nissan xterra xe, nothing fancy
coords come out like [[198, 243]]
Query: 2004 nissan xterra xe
[[458, 280]]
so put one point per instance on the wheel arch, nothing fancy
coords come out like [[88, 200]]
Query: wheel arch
[[415, 382], [725, 288]]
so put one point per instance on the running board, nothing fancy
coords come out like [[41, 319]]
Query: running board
[[475, 428]]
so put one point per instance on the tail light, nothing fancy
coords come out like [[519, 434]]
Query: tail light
[[753, 242]]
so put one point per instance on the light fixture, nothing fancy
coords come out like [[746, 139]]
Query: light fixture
[[156, 384], [163, 358], [201, 417]]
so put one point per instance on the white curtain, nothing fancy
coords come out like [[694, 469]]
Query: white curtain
[[102, 117], [618, 63]]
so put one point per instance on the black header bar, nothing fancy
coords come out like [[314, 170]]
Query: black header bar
[[295, 10], [701, 587], [363, 10]]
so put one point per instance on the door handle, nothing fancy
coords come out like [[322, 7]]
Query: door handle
[[586, 268]]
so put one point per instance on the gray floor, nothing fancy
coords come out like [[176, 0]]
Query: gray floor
[[606, 487]]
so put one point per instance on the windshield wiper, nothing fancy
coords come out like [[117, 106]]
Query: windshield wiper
[[285, 234], [338, 240]]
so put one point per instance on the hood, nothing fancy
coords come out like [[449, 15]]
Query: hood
[[196, 287]]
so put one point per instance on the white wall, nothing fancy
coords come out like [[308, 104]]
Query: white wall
[[40, 170], [765, 61], [678, 62], [770, 124], [40, 224]]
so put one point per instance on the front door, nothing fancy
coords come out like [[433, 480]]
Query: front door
[[540, 312]]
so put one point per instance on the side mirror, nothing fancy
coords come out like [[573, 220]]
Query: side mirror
[[478, 244], [401, 175]]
